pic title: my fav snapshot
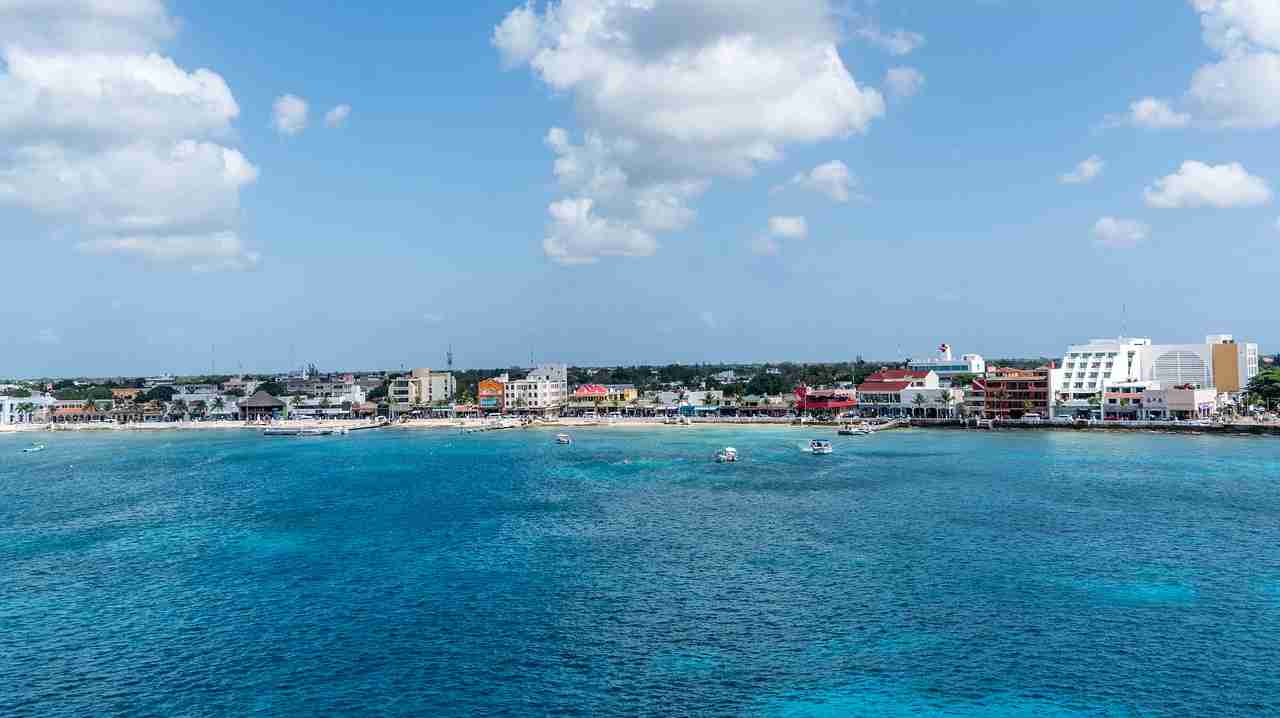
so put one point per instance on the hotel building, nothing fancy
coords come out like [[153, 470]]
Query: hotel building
[[946, 366], [422, 387]]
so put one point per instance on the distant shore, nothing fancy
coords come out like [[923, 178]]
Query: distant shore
[[568, 423]]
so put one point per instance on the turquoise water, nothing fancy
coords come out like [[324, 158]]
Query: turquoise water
[[400, 573]]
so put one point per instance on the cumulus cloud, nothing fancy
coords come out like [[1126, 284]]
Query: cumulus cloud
[[289, 114], [1242, 89], [1156, 114], [1120, 233], [897, 42], [1084, 172], [672, 95], [789, 227], [102, 134], [576, 235], [781, 228], [903, 82], [117, 26], [337, 117], [1197, 184], [832, 179]]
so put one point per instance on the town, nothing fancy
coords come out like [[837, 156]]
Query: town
[[1122, 379]]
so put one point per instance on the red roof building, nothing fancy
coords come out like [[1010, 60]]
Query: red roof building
[[825, 399]]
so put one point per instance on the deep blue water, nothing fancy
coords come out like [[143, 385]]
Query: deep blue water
[[400, 573]]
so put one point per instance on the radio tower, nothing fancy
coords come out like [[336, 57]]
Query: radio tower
[[448, 358]]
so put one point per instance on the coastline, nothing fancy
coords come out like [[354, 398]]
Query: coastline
[[563, 424]]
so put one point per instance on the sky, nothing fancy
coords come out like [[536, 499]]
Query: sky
[[191, 187]]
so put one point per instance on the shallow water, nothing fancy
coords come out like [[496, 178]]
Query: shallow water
[[910, 573]]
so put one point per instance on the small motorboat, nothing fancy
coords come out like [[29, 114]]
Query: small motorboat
[[818, 446], [33, 448], [727, 455], [564, 439], [853, 430]]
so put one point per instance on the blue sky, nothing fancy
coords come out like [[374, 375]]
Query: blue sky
[[420, 221]]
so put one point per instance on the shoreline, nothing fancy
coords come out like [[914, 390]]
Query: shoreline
[[570, 424]]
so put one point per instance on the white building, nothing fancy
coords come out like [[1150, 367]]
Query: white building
[[24, 410], [1089, 369], [546, 387], [947, 366]]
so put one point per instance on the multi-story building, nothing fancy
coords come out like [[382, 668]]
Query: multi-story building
[[826, 400], [907, 392], [946, 366], [422, 387], [25, 410], [1088, 369], [544, 389], [1015, 393], [491, 393]]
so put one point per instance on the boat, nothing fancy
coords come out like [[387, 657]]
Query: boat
[[33, 448], [853, 430], [563, 439], [727, 455], [298, 432], [818, 446]]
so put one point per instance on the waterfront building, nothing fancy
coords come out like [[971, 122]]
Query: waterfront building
[[896, 393], [826, 400], [491, 394], [1180, 402], [1015, 393], [422, 387], [946, 366], [261, 406], [1088, 369], [1125, 401], [24, 410], [544, 389]]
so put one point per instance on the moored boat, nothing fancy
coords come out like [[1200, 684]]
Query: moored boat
[[727, 455], [563, 439]]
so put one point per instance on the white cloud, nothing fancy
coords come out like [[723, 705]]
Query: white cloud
[[1155, 114], [1084, 172], [903, 82], [672, 95], [898, 42], [708, 320], [576, 235], [1242, 90], [48, 337], [789, 227], [110, 25], [1237, 27], [1197, 184], [337, 117], [220, 252], [431, 318], [784, 228], [832, 179], [1120, 233], [102, 134], [289, 114]]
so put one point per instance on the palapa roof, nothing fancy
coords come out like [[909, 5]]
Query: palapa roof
[[262, 400]]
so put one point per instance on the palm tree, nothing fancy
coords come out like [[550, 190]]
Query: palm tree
[[919, 401], [219, 404]]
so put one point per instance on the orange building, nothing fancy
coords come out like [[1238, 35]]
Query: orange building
[[492, 394]]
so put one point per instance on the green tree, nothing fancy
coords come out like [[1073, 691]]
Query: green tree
[[919, 401], [160, 393], [274, 388], [1265, 388]]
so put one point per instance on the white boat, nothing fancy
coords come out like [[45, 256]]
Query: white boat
[[853, 430], [727, 455], [33, 449], [563, 439], [818, 446]]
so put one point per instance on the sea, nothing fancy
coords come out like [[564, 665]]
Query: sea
[[430, 573]]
